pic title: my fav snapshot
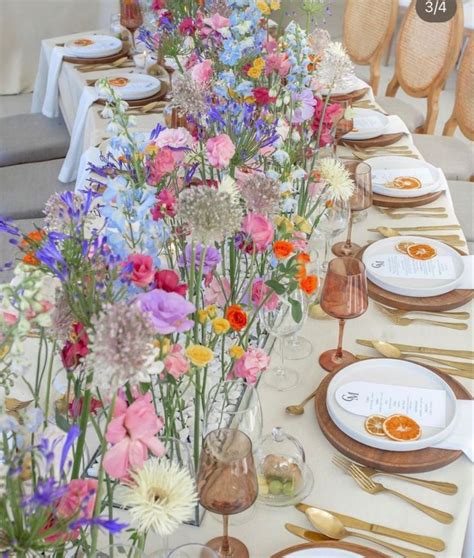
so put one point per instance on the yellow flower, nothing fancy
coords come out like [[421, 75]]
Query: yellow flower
[[259, 63], [232, 93], [151, 149], [275, 5], [220, 326], [199, 355], [283, 222], [254, 73], [163, 346], [302, 224], [4, 351], [263, 7], [202, 316], [249, 100], [236, 351], [211, 310]]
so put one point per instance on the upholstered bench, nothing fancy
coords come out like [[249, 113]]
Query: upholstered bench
[[412, 117], [455, 156], [28, 138], [463, 199]]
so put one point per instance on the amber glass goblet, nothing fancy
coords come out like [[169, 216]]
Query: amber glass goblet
[[361, 199], [344, 297], [131, 17], [227, 483]]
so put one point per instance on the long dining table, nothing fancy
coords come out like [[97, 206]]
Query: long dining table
[[264, 531]]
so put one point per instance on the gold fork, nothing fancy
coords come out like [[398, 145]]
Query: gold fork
[[443, 313], [399, 320], [372, 487], [443, 487]]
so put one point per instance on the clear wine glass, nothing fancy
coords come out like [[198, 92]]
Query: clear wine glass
[[227, 483], [131, 17], [332, 223], [192, 550], [280, 321], [361, 199], [344, 297]]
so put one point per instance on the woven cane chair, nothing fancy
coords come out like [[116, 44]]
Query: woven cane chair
[[426, 54], [454, 155], [368, 29]]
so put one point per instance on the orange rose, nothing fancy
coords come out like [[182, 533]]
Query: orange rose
[[309, 284], [303, 257], [237, 317], [282, 249], [31, 240]]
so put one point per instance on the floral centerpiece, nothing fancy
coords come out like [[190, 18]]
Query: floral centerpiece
[[147, 283]]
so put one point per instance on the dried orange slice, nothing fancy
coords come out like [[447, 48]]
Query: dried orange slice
[[407, 183], [401, 428], [118, 81], [421, 251], [403, 246], [374, 425], [83, 42]]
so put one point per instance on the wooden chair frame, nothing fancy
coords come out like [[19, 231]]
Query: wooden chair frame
[[375, 58], [433, 90]]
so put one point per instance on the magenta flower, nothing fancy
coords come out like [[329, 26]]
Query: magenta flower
[[165, 206], [168, 311]]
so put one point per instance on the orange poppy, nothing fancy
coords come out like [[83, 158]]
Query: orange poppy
[[309, 284], [31, 240], [282, 249], [237, 317]]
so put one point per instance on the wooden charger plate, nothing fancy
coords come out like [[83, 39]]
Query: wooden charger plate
[[101, 60], [389, 201], [418, 461], [353, 96], [356, 548], [159, 96], [379, 141], [439, 303]]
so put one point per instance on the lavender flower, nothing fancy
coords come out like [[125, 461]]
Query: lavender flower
[[168, 312], [211, 259], [261, 193]]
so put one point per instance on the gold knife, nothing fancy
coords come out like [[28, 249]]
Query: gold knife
[[306, 533], [421, 540], [423, 350]]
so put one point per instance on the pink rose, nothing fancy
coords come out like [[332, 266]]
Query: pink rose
[[251, 365], [164, 163], [176, 363], [220, 151], [175, 138], [260, 291], [139, 269], [260, 229], [217, 292], [202, 73]]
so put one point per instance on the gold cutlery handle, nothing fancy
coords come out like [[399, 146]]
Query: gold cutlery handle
[[422, 350], [421, 540], [406, 552], [439, 515], [455, 364], [443, 487], [456, 315], [449, 325]]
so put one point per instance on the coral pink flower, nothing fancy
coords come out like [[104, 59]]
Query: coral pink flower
[[202, 73], [168, 280], [217, 292], [176, 363], [132, 433], [251, 365], [260, 291], [220, 151], [260, 229], [139, 269], [178, 140], [163, 164]]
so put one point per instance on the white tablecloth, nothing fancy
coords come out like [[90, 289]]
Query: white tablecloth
[[265, 533]]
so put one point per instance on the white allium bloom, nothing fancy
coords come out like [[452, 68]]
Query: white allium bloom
[[337, 177], [335, 69], [161, 496], [229, 186]]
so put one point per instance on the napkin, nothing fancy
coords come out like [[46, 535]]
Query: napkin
[[467, 279], [73, 157], [461, 436], [50, 106], [395, 125]]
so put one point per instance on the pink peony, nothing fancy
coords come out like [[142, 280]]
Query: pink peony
[[176, 363], [220, 151], [217, 292], [139, 269], [132, 433], [163, 164], [251, 365], [260, 291], [202, 73], [260, 229], [175, 138]]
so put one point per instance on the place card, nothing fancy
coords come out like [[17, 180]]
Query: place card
[[426, 406], [366, 122], [404, 267], [382, 176]]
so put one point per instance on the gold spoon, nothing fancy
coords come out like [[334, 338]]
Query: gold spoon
[[299, 409], [389, 351], [331, 526], [442, 313]]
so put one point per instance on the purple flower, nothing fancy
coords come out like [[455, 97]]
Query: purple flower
[[168, 311], [211, 260], [304, 106]]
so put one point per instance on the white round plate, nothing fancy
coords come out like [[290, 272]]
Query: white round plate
[[422, 287], [428, 174], [351, 84], [139, 86], [323, 553], [102, 45], [393, 372], [368, 123]]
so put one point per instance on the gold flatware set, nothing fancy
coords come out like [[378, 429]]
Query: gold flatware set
[[123, 62], [402, 320], [419, 212]]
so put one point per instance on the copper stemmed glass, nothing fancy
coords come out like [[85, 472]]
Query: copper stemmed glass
[[227, 483], [344, 297], [131, 17], [361, 199]]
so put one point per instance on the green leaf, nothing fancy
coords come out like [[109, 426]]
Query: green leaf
[[61, 421], [275, 286], [296, 310]]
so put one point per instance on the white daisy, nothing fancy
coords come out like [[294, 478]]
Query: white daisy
[[338, 179]]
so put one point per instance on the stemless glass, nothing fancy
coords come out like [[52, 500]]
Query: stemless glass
[[279, 321], [344, 297], [131, 17], [332, 223], [192, 551], [227, 483], [361, 199]]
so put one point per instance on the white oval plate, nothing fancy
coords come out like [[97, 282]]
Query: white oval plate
[[394, 372], [103, 45], [352, 84], [139, 86], [368, 123], [323, 553], [422, 287], [429, 175]]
